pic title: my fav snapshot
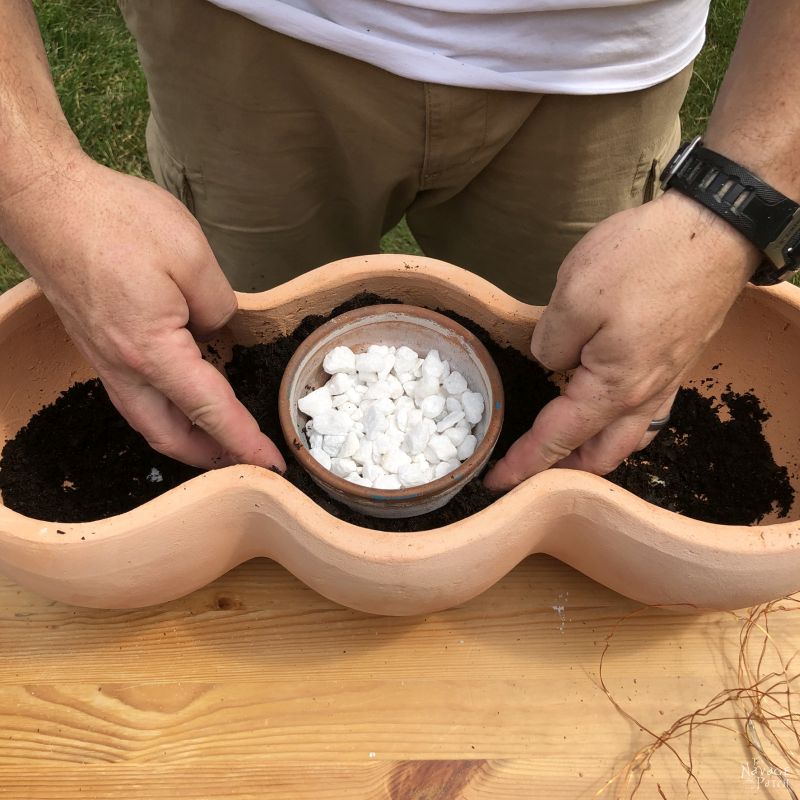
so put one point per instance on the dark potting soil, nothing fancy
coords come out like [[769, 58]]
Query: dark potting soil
[[77, 460]]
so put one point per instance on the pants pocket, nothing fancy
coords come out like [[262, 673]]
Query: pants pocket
[[169, 173]]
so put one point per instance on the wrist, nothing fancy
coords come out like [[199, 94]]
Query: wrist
[[35, 197], [718, 244], [29, 160]]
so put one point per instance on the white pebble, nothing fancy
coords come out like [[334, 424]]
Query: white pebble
[[383, 443], [378, 390], [455, 383], [417, 437], [432, 366], [320, 455], [387, 481], [426, 386], [364, 453], [413, 475], [445, 450], [354, 477], [405, 360], [352, 410], [384, 371], [472, 403], [414, 417], [340, 383], [443, 468], [332, 444], [340, 359], [456, 435], [467, 447], [430, 455], [373, 360], [314, 403], [332, 422], [372, 472], [154, 476], [395, 387], [448, 421], [394, 459], [315, 439], [393, 432], [385, 405], [375, 422], [453, 404], [343, 466], [432, 406], [349, 446], [367, 377]]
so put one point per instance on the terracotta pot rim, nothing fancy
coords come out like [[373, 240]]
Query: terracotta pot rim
[[731, 538]]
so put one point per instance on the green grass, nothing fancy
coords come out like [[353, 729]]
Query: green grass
[[724, 21], [104, 96]]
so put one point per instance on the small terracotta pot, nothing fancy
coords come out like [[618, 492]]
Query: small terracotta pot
[[422, 330], [189, 536]]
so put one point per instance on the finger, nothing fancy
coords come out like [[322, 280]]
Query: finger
[[176, 368], [605, 451], [209, 296], [165, 426], [571, 319], [560, 427], [559, 337]]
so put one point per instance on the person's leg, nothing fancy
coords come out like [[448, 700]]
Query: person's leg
[[573, 161], [290, 156]]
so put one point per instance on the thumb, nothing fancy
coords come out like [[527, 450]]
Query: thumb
[[208, 294]]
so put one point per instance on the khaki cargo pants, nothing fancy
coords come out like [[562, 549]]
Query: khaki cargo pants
[[291, 156]]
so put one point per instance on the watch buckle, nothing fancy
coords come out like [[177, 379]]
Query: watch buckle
[[678, 161], [782, 251]]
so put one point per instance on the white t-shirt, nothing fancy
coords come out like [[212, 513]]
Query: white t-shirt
[[554, 46]]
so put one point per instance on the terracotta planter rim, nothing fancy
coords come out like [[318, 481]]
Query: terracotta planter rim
[[646, 552], [732, 538]]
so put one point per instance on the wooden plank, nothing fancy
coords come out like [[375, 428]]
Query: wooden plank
[[263, 624], [258, 687]]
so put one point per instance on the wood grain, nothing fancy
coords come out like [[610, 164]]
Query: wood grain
[[257, 687]]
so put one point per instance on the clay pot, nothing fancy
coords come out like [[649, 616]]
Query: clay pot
[[422, 330], [187, 537]]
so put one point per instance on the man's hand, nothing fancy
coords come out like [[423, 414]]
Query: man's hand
[[131, 274], [636, 302]]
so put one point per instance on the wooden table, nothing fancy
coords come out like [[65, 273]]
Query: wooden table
[[257, 687]]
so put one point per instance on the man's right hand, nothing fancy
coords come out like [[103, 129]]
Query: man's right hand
[[132, 277]]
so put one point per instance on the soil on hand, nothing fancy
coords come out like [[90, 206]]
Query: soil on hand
[[77, 460]]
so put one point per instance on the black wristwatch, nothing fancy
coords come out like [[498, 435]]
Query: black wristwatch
[[770, 220]]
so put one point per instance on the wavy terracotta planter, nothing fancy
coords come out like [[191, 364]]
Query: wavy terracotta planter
[[194, 533]]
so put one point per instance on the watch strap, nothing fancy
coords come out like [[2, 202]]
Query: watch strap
[[767, 218]]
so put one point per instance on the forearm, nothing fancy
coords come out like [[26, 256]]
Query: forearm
[[756, 119], [35, 138], [755, 122]]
